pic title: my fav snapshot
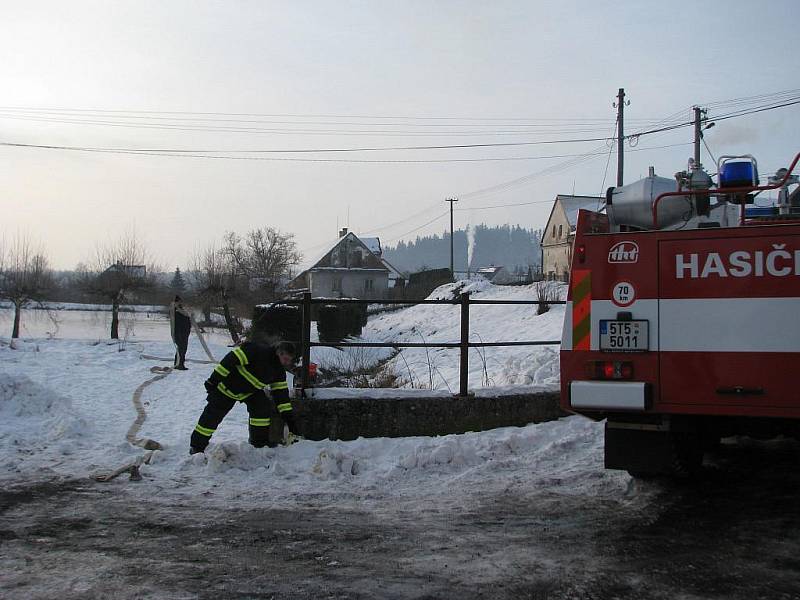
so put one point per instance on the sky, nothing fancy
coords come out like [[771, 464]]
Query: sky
[[314, 75]]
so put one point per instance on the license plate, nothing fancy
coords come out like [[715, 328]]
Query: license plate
[[624, 336]]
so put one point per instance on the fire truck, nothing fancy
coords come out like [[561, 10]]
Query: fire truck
[[682, 323]]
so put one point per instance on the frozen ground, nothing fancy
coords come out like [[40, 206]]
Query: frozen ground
[[511, 513]]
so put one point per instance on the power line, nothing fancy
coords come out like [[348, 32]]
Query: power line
[[531, 177], [444, 214], [215, 115], [295, 131], [471, 208], [303, 150], [634, 136], [291, 159]]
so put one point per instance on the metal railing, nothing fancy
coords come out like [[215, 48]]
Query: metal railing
[[464, 344]]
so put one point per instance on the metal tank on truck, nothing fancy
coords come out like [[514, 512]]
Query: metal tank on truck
[[682, 315]]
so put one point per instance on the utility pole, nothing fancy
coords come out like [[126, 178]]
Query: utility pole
[[699, 114], [620, 106], [452, 268]]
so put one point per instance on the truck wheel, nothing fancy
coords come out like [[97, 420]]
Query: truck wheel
[[687, 455], [646, 454]]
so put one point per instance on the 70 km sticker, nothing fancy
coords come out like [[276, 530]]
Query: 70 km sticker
[[623, 294]]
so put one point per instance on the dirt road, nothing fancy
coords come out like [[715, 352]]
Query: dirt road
[[734, 536]]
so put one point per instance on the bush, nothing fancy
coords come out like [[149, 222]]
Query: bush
[[546, 293], [335, 322], [279, 321]]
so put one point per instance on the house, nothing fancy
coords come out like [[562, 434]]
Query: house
[[559, 233], [495, 274], [352, 268], [131, 271]]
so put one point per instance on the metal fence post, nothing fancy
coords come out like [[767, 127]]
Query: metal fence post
[[463, 390], [305, 343]]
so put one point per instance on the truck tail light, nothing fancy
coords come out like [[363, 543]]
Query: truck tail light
[[581, 253], [609, 369]]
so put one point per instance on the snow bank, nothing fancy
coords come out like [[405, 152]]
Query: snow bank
[[35, 419], [566, 455]]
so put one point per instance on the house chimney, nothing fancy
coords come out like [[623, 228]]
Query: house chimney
[[343, 232]]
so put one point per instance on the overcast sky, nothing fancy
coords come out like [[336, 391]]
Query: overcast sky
[[490, 67]]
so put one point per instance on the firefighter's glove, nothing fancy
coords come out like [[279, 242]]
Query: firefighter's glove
[[209, 385]]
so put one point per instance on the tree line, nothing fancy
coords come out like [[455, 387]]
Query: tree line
[[229, 276], [513, 247]]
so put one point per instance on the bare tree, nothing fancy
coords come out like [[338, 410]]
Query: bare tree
[[25, 275], [264, 258], [255, 264], [213, 280], [117, 272]]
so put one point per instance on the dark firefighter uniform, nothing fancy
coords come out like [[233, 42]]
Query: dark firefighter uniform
[[245, 375]]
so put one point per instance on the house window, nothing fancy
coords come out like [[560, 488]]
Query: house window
[[337, 284], [560, 229], [369, 285], [554, 230]]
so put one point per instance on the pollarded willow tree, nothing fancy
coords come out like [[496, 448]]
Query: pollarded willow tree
[[117, 272], [25, 275], [213, 283]]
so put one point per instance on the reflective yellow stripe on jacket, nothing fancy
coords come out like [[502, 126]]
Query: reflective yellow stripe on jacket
[[251, 379], [279, 385], [239, 353]]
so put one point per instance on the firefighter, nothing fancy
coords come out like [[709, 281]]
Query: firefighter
[[245, 375]]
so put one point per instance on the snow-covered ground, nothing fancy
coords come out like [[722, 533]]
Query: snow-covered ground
[[511, 513], [65, 407], [438, 368]]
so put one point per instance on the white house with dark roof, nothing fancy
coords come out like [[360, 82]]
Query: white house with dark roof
[[353, 268], [559, 233]]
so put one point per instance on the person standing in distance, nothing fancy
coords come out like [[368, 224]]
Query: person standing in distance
[[180, 323]]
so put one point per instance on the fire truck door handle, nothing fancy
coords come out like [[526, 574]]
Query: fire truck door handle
[[738, 390]]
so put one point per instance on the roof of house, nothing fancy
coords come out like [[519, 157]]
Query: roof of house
[[394, 273], [490, 270], [373, 243], [572, 204], [130, 270]]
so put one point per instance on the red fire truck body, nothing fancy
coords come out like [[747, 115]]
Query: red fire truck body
[[679, 337]]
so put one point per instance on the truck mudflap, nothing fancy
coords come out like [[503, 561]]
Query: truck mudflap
[[609, 395]]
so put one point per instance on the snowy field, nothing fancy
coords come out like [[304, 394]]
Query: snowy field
[[511, 513]]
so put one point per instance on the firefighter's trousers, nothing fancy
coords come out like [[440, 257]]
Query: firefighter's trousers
[[259, 408]]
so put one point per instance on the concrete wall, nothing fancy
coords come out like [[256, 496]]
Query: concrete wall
[[350, 418]]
